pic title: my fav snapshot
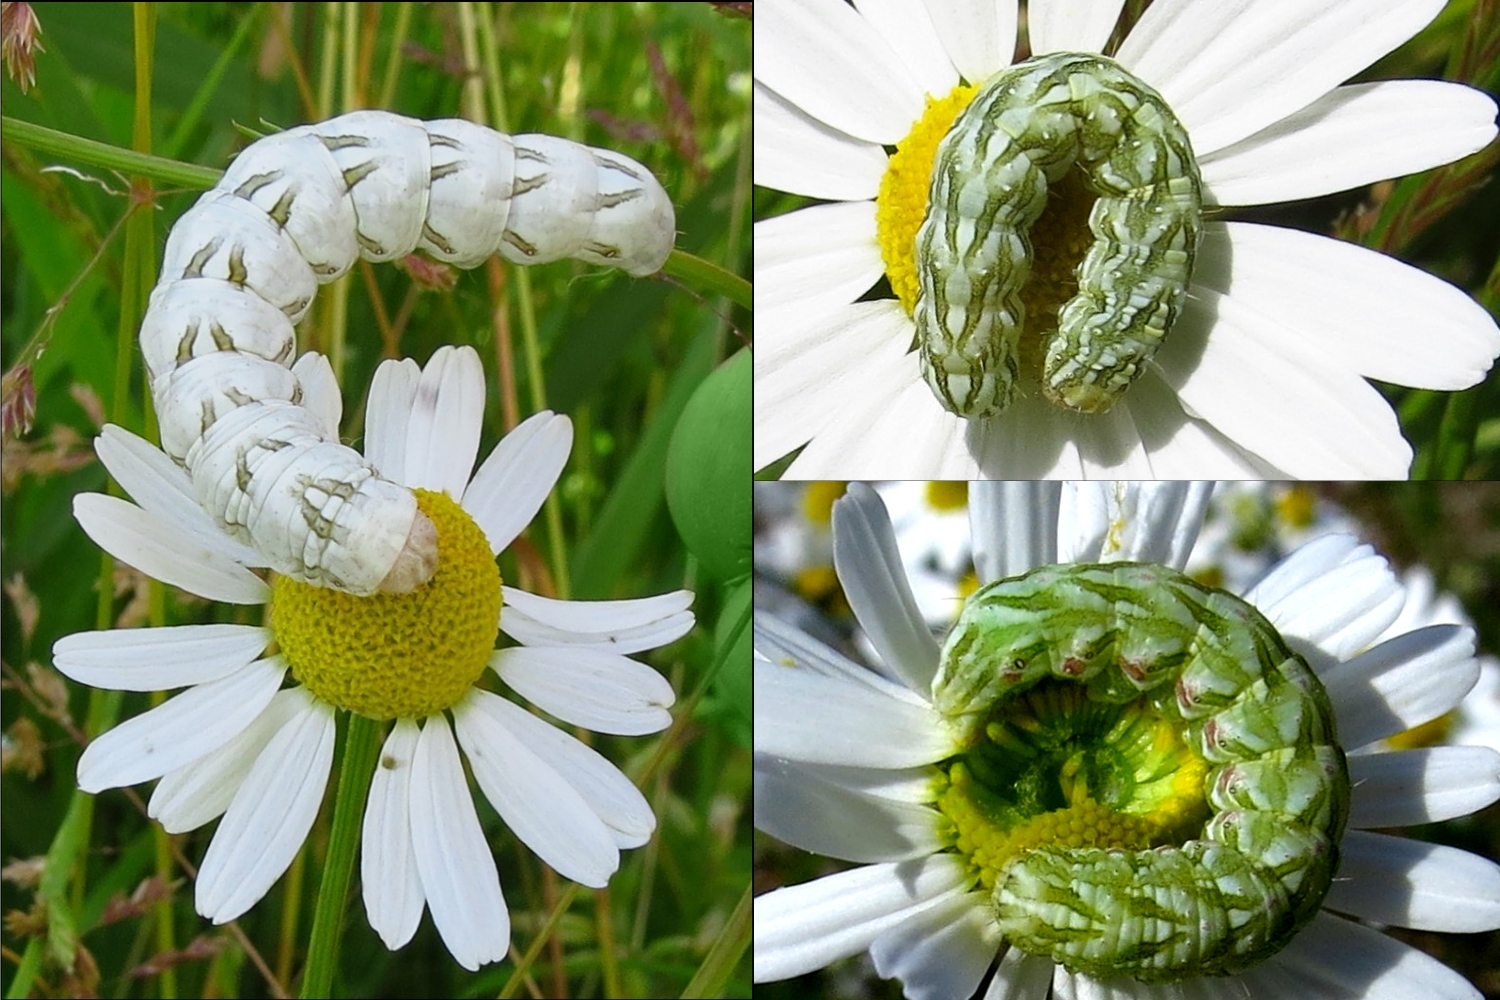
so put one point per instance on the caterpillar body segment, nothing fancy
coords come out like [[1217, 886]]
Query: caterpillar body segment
[[297, 209], [1276, 782], [1028, 126]]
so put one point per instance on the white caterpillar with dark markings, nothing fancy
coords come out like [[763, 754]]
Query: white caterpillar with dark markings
[[1027, 127], [1218, 675], [296, 209]]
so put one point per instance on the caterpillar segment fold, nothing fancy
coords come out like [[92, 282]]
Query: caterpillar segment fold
[[1025, 130], [296, 210]]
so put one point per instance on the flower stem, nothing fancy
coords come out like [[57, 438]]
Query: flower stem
[[361, 747]]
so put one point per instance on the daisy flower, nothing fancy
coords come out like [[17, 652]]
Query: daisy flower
[[859, 763], [1264, 372], [238, 743]]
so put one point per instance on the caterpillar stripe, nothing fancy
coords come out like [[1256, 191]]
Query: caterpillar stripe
[[1025, 129], [296, 209], [1277, 783]]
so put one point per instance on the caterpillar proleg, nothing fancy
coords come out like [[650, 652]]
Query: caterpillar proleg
[[1210, 669], [1027, 127], [296, 209]]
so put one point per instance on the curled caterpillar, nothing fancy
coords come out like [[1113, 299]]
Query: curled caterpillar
[[1025, 129], [296, 209], [1219, 677]]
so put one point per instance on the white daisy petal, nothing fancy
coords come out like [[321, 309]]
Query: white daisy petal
[[808, 926], [1131, 522], [1110, 444], [598, 690], [1336, 957], [1014, 526], [898, 428], [513, 483], [1027, 441], [1230, 70], [458, 873], [200, 791], [792, 719], [1278, 979], [1182, 447], [158, 659], [786, 646], [1337, 294], [816, 258], [387, 415], [1351, 137], [1411, 787], [180, 729], [442, 437], [1020, 976], [866, 557], [907, 28], [1302, 568], [158, 549], [270, 816], [1071, 25], [979, 35], [1410, 883], [827, 60], [941, 951], [617, 802], [387, 863], [1358, 436], [807, 381], [795, 804], [1343, 610], [320, 392], [797, 153], [545, 812], [624, 627], [1401, 683], [161, 488]]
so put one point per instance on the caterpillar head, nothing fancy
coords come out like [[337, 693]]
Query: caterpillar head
[[416, 561]]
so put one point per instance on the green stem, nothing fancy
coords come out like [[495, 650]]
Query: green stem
[[361, 748], [718, 965], [709, 279], [90, 152]]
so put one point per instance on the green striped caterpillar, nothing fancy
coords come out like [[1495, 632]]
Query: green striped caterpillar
[[295, 210], [1146, 641], [1025, 129]]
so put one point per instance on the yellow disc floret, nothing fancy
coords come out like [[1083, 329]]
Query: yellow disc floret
[[987, 845], [405, 656], [1056, 769], [1058, 241], [902, 201]]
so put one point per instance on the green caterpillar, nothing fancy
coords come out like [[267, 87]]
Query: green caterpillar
[[1024, 130], [1252, 709]]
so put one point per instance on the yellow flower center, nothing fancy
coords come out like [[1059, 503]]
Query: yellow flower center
[[902, 202], [948, 495], [1055, 769], [398, 656], [1060, 238], [818, 500]]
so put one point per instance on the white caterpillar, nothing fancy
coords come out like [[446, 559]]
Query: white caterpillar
[[1025, 129], [296, 209]]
